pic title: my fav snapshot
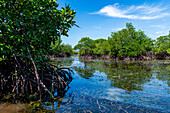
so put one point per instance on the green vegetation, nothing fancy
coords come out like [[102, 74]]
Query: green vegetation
[[162, 44], [129, 42], [27, 29], [58, 49], [101, 47], [125, 43], [85, 45]]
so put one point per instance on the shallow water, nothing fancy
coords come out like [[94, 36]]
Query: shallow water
[[115, 86], [12, 108]]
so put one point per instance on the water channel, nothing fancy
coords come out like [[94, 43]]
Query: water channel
[[109, 86], [115, 86]]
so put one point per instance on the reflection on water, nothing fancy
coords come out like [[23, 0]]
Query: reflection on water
[[84, 71], [124, 75], [115, 86]]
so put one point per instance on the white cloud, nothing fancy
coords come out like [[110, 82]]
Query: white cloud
[[158, 26], [115, 94], [143, 12], [159, 32], [162, 33], [118, 29]]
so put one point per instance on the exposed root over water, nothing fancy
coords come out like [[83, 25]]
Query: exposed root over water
[[23, 79]]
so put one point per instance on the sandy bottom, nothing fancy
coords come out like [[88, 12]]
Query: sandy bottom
[[12, 108]]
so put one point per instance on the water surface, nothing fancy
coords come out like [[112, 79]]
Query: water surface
[[115, 86]]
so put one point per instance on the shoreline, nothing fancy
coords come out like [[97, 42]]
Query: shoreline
[[13, 108], [140, 57]]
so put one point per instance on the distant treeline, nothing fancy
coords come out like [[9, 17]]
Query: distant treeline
[[127, 44], [60, 49]]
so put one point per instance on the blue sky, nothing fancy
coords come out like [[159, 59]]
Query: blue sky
[[98, 18]]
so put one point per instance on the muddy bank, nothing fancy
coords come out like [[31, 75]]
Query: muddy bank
[[63, 54], [146, 56], [13, 108]]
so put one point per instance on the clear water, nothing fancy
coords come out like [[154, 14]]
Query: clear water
[[115, 86]]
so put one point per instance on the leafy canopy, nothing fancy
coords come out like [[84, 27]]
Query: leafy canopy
[[163, 44], [31, 25], [129, 42], [85, 45], [59, 48], [27, 29], [126, 42]]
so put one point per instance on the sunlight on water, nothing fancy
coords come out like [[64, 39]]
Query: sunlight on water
[[116, 86]]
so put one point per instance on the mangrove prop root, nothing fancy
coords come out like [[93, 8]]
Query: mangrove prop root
[[20, 76]]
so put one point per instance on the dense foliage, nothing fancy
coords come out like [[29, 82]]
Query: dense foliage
[[27, 29], [125, 43], [101, 46], [162, 44], [58, 49], [129, 42], [85, 45]]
